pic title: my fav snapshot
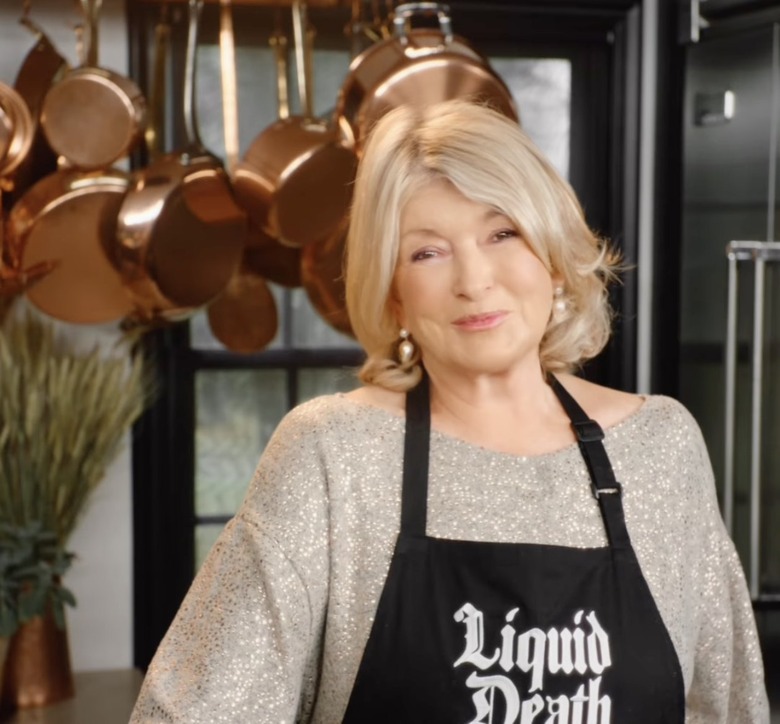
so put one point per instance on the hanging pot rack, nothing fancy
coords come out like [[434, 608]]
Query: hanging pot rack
[[261, 3]]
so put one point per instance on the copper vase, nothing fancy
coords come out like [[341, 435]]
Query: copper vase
[[37, 667]]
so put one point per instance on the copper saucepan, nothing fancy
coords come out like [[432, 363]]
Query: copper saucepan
[[417, 67], [295, 179], [180, 233], [244, 316], [264, 255], [70, 216], [93, 116], [41, 68], [16, 130]]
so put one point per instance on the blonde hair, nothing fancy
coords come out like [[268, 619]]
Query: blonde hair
[[490, 160]]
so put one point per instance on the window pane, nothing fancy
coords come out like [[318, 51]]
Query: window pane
[[236, 413], [310, 330], [541, 88]]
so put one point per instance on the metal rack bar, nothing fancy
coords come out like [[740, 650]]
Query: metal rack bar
[[759, 253], [755, 442], [731, 376], [261, 3]]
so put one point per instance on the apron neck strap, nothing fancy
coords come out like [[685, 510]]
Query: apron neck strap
[[414, 501], [606, 489]]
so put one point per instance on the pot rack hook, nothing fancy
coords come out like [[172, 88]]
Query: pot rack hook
[[358, 28], [26, 10], [81, 51], [28, 22], [278, 43]]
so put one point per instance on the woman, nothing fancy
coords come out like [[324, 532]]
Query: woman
[[449, 543]]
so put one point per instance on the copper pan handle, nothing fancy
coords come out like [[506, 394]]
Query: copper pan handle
[[227, 57], [308, 68], [405, 12], [190, 76], [302, 63], [91, 10], [155, 131]]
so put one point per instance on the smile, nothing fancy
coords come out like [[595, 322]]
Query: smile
[[478, 322]]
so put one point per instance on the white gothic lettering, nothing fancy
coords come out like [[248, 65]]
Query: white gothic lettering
[[579, 651]]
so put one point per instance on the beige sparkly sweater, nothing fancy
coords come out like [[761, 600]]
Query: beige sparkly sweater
[[273, 628]]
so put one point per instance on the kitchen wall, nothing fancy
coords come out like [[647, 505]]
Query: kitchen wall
[[100, 627]]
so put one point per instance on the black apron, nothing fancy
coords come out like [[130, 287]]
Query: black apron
[[470, 632]]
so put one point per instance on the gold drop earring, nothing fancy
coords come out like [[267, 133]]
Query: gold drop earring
[[405, 347], [560, 302]]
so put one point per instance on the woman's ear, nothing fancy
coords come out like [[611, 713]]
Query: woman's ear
[[395, 307]]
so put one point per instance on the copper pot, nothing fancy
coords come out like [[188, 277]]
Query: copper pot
[[42, 67], [16, 130], [180, 233], [70, 217], [295, 179], [93, 116], [417, 67]]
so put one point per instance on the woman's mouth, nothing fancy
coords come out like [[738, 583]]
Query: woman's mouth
[[478, 322]]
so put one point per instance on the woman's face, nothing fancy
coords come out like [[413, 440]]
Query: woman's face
[[470, 290]]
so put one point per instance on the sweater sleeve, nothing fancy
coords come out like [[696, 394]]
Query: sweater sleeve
[[244, 645], [728, 684]]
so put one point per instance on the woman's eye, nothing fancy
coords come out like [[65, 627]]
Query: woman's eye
[[423, 254], [504, 234]]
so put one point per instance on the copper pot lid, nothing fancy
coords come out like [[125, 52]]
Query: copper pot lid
[[70, 217]]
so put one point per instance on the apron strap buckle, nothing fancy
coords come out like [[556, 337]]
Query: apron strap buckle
[[588, 431], [615, 489]]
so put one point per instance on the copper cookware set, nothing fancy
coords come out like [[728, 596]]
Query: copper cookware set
[[24, 154], [155, 245], [180, 233]]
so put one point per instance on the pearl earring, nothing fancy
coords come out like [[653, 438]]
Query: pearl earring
[[405, 347], [560, 303]]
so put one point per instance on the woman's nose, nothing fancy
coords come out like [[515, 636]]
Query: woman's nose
[[474, 273]]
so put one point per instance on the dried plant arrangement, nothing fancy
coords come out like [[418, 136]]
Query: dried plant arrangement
[[32, 565], [63, 419]]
